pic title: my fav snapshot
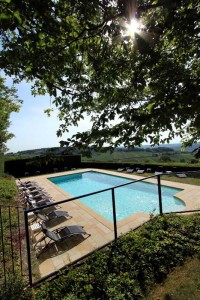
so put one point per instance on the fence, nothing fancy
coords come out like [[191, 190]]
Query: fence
[[112, 190], [15, 235], [12, 243]]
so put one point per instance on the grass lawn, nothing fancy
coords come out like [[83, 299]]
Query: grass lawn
[[187, 180], [181, 284]]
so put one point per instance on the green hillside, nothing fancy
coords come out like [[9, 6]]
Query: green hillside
[[145, 156], [142, 155]]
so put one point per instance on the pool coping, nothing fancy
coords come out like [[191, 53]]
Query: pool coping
[[182, 195], [99, 217]]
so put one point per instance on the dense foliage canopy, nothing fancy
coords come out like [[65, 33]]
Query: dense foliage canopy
[[9, 103], [132, 87]]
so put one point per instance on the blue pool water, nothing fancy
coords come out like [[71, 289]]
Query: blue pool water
[[137, 197]]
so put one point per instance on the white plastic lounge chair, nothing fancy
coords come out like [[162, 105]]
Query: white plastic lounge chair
[[181, 175], [158, 173], [129, 170], [120, 169], [168, 172], [140, 171]]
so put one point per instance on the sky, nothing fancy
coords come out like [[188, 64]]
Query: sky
[[32, 128]]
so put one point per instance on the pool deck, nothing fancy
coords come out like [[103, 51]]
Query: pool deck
[[101, 229]]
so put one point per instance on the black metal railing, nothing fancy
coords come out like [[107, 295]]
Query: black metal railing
[[24, 225], [12, 243]]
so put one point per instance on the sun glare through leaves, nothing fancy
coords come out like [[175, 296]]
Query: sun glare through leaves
[[133, 27]]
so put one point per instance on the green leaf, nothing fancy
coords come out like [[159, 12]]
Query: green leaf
[[150, 107], [41, 35], [17, 16], [28, 69], [4, 16]]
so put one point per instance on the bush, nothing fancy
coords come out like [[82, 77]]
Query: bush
[[15, 289], [165, 158], [182, 160]]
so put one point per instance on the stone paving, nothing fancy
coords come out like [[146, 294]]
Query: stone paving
[[101, 229]]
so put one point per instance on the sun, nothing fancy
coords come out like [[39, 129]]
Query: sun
[[133, 27]]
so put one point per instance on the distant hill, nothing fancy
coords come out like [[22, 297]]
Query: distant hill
[[62, 150], [175, 147], [39, 152]]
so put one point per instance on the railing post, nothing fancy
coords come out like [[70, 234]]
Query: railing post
[[11, 241], [160, 195], [19, 237], [3, 249], [28, 247], [114, 213]]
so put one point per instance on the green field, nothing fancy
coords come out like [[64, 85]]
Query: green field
[[141, 157]]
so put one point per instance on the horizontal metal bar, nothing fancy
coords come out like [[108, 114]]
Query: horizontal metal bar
[[182, 211], [11, 206]]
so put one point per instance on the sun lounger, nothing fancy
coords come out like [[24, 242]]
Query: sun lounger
[[26, 184], [181, 175], [158, 173], [140, 171], [54, 237], [47, 217], [45, 206], [37, 197], [120, 169], [29, 199], [35, 192], [42, 202], [129, 170]]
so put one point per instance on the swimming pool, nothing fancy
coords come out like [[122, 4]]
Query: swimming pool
[[137, 197]]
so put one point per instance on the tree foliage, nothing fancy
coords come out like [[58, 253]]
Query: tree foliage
[[9, 103], [132, 88]]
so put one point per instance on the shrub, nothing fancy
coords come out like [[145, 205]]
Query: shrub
[[194, 161], [182, 160], [165, 158], [15, 289]]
